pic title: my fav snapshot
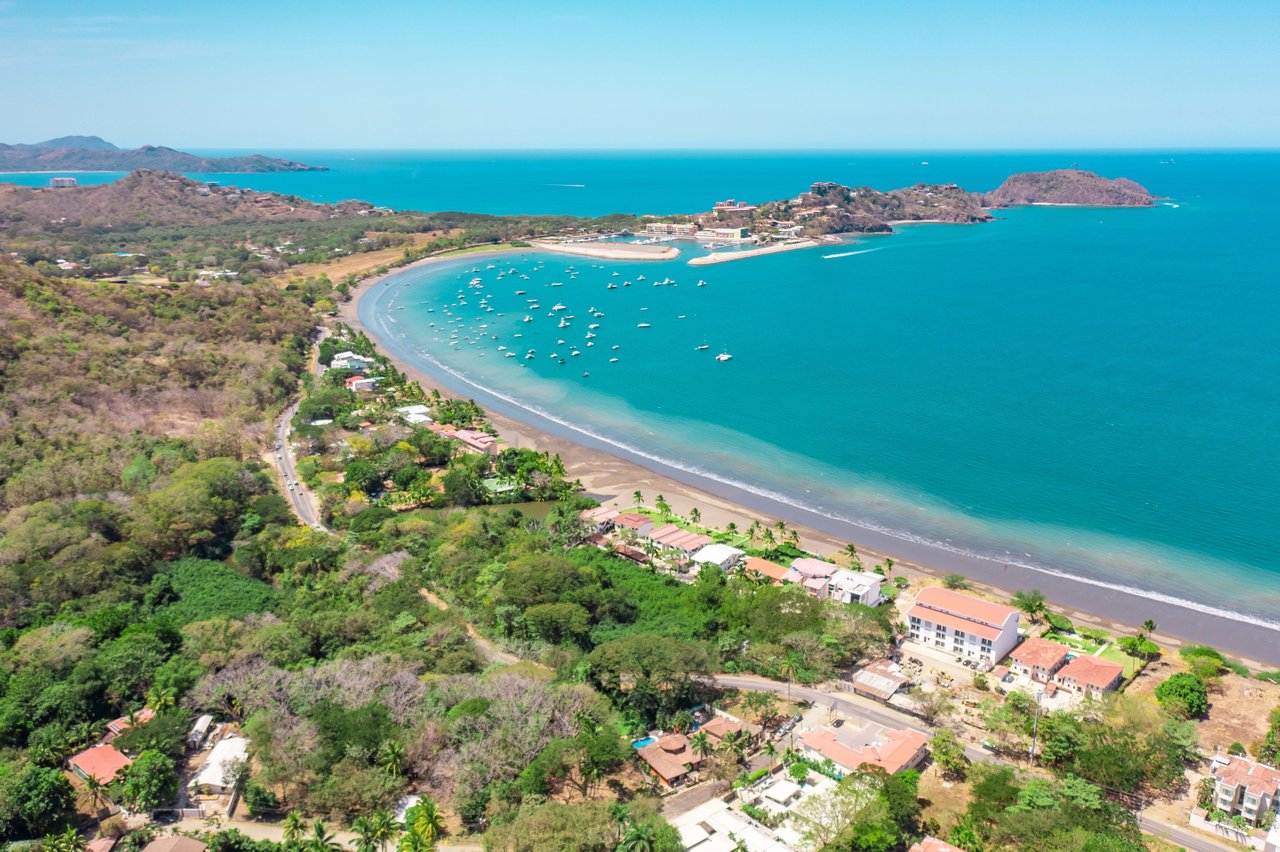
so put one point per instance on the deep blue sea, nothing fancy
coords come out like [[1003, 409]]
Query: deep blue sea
[[1092, 390]]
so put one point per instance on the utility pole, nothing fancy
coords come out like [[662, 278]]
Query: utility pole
[[1035, 730]]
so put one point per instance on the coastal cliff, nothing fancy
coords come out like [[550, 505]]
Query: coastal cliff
[[93, 154], [832, 208], [1068, 186]]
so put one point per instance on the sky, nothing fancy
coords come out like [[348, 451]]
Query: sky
[[569, 74]]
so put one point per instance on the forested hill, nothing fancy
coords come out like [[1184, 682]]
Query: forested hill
[[91, 373], [1068, 186], [93, 154], [148, 197]]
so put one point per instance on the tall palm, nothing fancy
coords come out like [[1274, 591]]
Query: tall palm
[[385, 828], [161, 698], [322, 839], [95, 794], [638, 497], [392, 757], [640, 837], [412, 841], [788, 668], [364, 830], [294, 827], [771, 751], [695, 515], [621, 816], [701, 745], [851, 553], [1149, 626], [427, 819], [769, 539]]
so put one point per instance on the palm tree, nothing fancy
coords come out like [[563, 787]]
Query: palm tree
[[734, 745], [788, 668], [793, 537], [364, 829], [640, 837], [695, 516], [767, 535], [322, 840], [638, 497], [1149, 626], [621, 816], [701, 745], [781, 527], [427, 819], [660, 503], [851, 553], [385, 828], [161, 698], [753, 531], [392, 756], [1032, 602], [888, 566], [95, 794], [771, 751], [294, 826], [412, 841], [731, 528]]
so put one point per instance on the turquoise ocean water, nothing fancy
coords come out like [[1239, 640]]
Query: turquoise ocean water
[[1089, 390]]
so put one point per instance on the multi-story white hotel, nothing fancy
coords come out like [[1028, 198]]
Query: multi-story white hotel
[[963, 625]]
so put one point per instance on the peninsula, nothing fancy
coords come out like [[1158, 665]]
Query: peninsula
[[94, 154]]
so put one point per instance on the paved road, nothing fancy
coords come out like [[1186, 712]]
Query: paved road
[[299, 495], [1181, 836]]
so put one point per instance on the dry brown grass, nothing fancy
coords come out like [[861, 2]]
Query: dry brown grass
[[359, 264], [944, 801]]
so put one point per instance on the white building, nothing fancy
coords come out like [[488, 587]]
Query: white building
[[725, 235], [223, 767], [858, 587], [415, 413], [671, 229], [963, 625], [350, 361], [719, 554]]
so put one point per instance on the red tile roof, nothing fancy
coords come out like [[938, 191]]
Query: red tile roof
[[669, 756], [1040, 653], [718, 727], [1090, 671], [632, 520], [965, 606], [954, 622], [1242, 772], [895, 753], [100, 761], [772, 570], [146, 714]]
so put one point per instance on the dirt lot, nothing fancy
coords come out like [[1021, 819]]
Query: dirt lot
[[1238, 706], [357, 264], [945, 801]]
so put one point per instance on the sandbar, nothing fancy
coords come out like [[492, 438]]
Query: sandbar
[[725, 257], [610, 251]]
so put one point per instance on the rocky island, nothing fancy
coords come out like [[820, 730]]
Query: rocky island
[[94, 154], [1068, 186]]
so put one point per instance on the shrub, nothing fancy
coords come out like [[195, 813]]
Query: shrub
[[901, 582], [1059, 622], [1184, 693], [955, 581], [1236, 749], [1273, 677]]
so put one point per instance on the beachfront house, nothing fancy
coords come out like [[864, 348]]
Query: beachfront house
[[1245, 787], [855, 587], [350, 361], [101, 762], [813, 574], [893, 751], [670, 759], [772, 572], [672, 537], [414, 414], [600, 519], [1090, 676], [634, 522], [960, 624], [1039, 659], [721, 555], [362, 383]]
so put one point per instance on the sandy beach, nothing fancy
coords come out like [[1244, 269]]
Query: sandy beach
[[611, 251], [725, 257], [612, 475]]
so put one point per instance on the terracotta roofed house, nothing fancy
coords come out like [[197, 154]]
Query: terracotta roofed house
[[1090, 676], [670, 758], [601, 517], [718, 727], [124, 723], [894, 752], [1246, 787], [772, 570], [101, 762], [1039, 659], [966, 626], [634, 521]]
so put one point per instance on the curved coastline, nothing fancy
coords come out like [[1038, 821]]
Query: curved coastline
[[612, 470]]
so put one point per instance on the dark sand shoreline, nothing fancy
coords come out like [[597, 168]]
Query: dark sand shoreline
[[612, 473]]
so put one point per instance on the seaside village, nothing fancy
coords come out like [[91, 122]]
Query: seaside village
[[964, 679], [961, 659]]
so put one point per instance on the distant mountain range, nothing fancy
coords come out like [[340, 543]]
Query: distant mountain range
[[94, 154]]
